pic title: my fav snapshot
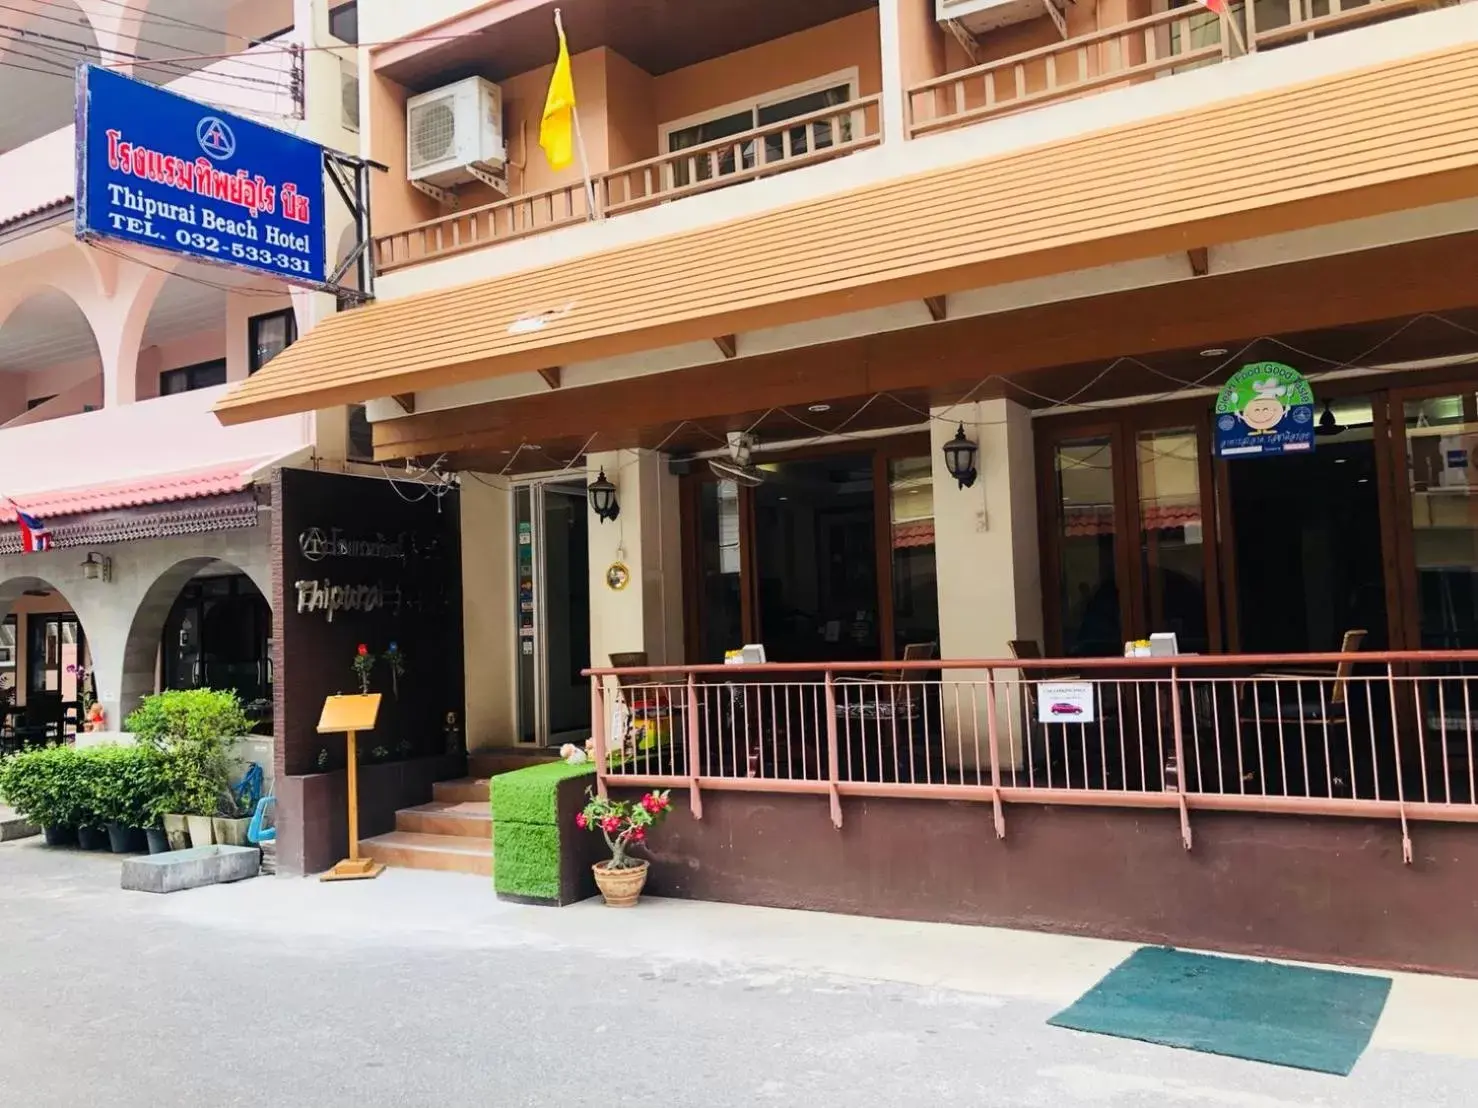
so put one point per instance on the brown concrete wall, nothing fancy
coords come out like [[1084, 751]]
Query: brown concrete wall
[[1320, 889]]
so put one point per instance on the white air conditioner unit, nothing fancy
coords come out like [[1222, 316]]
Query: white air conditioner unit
[[455, 136], [980, 16]]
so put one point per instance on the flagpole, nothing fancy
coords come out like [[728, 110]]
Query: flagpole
[[1226, 17], [593, 208]]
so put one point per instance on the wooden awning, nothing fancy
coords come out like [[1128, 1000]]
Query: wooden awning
[[1381, 139]]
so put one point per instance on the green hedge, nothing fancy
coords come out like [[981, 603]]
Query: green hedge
[[527, 830], [529, 795]]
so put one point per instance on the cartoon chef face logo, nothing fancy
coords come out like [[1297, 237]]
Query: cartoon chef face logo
[[1265, 410]]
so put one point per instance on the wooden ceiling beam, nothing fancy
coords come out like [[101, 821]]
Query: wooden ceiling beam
[[938, 308], [1430, 275], [1200, 259], [552, 376], [728, 345], [406, 401]]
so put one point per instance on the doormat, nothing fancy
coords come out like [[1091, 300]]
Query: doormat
[[1310, 1019]]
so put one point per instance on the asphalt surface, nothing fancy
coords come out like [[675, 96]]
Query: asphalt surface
[[420, 989]]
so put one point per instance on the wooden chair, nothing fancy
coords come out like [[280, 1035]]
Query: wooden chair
[[1295, 723]]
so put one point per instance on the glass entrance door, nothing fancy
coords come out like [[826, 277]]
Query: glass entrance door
[[552, 574], [56, 656]]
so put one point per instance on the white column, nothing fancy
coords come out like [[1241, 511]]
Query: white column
[[894, 90], [647, 614], [989, 570]]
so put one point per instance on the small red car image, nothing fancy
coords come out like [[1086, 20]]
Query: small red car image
[[1064, 709]]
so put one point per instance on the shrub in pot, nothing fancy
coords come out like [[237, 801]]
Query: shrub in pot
[[189, 729], [29, 784], [127, 783], [89, 777], [624, 823], [47, 787]]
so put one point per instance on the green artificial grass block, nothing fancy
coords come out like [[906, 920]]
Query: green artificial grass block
[[526, 859], [531, 795]]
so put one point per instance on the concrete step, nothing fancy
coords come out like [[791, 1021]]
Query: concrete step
[[412, 850], [468, 820], [490, 763], [461, 791]]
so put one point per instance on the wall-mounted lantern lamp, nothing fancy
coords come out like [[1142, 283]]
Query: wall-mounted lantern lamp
[[97, 567], [959, 458], [603, 498]]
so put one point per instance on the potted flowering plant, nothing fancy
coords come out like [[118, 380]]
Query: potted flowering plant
[[624, 823]]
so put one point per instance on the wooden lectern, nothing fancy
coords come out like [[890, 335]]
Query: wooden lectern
[[350, 715]]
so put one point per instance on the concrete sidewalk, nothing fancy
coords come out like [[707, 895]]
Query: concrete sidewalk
[[433, 992]]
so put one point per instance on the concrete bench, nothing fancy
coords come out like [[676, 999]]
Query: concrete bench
[[191, 869]]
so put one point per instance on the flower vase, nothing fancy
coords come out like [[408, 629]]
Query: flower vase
[[621, 887]]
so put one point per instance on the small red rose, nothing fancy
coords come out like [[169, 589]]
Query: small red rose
[[363, 650]]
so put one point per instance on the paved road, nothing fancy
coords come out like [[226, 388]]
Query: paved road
[[420, 989]]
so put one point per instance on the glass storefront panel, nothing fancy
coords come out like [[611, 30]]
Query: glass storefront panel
[[1441, 453], [1171, 534], [1088, 582], [721, 584], [915, 585]]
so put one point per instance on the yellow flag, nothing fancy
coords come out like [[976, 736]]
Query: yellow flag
[[557, 131]]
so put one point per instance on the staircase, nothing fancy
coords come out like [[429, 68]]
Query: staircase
[[455, 831]]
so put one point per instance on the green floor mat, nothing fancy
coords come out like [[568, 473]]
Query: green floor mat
[[1310, 1019]]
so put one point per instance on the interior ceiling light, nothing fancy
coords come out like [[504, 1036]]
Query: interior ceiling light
[[1214, 352], [819, 408]]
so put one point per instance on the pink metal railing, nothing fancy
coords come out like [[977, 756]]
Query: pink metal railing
[[1378, 735]]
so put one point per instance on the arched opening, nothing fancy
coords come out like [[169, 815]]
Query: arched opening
[[184, 345], [46, 669], [39, 54], [50, 365], [203, 624]]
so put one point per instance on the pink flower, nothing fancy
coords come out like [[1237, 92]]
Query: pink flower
[[580, 821], [611, 824], [638, 835]]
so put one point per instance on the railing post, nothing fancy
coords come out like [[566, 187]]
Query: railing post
[[1185, 816], [695, 796], [1400, 769], [833, 775], [598, 732], [995, 751]]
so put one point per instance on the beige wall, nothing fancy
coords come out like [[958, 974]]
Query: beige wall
[[487, 614], [842, 44], [647, 614], [990, 583]]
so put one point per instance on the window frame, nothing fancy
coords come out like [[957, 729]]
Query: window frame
[[849, 77], [188, 373], [254, 323]]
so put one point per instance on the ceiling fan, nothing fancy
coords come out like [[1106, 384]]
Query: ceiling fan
[[738, 466]]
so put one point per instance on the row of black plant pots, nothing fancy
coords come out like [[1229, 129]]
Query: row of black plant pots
[[114, 837]]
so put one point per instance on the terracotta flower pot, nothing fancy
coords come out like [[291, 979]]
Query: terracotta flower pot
[[621, 887]]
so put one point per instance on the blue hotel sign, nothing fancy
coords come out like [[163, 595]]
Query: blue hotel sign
[[160, 170]]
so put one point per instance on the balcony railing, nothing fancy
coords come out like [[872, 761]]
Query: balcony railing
[[762, 152], [1377, 736], [1142, 49]]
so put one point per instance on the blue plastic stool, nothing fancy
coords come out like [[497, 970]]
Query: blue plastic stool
[[258, 832]]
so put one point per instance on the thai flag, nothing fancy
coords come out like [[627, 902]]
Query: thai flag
[[34, 535]]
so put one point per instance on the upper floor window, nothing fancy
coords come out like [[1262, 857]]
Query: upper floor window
[[191, 377], [764, 111], [343, 23], [268, 336]]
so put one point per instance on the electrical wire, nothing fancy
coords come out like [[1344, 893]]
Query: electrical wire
[[137, 38], [44, 40], [168, 20]]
